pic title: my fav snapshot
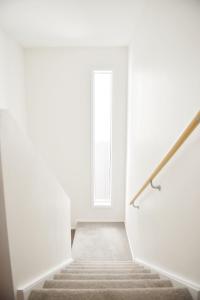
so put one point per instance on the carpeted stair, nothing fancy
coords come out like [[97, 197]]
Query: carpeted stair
[[103, 270], [108, 280]]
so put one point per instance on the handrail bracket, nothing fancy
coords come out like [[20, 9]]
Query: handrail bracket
[[157, 187], [135, 206]]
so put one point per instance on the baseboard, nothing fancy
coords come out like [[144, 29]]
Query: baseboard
[[23, 292], [98, 221], [176, 280], [129, 242]]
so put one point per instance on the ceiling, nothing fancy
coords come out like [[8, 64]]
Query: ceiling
[[70, 22]]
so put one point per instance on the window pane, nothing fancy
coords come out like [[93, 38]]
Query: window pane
[[102, 103]]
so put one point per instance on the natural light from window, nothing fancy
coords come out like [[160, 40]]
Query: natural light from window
[[102, 120]]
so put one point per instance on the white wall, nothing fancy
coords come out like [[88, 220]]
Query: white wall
[[164, 86], [59, 112], [37, 209], [12, 88]]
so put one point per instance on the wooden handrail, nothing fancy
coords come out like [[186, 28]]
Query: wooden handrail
[[183, 137]]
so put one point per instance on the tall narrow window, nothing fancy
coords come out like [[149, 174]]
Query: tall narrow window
[[102, 120]]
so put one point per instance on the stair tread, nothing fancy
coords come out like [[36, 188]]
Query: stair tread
[[107, 283], [104, 263], [107, 271], [106, 276], [104, 266], [100, 261], [169, 293]]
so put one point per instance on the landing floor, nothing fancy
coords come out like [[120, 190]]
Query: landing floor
[[101, 241]]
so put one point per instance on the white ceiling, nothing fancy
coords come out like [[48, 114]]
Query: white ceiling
[[70, 22]]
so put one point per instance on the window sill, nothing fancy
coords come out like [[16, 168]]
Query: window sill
[[102, 204]]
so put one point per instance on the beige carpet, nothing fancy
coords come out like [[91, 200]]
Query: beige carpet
[[103, 270], [101, 241]]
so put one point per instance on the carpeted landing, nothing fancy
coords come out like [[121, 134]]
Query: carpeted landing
[[106, 278], [104, 241]]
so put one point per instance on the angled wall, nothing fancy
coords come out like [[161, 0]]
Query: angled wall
[[37, 210]]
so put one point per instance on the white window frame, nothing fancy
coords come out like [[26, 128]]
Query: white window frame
[[103, 205]]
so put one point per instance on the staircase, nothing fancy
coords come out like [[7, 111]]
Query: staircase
[[108, 280]]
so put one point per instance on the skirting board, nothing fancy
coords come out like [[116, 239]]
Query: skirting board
[[129, 242], [96, 221], [23, 292], [176, 280]]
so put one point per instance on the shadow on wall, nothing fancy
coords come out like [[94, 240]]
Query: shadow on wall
[[6, 284]]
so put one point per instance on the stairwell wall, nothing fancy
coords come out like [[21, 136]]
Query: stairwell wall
[[164, 95], [58, 82], [12, 84], [36, 220], [12, 98]]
